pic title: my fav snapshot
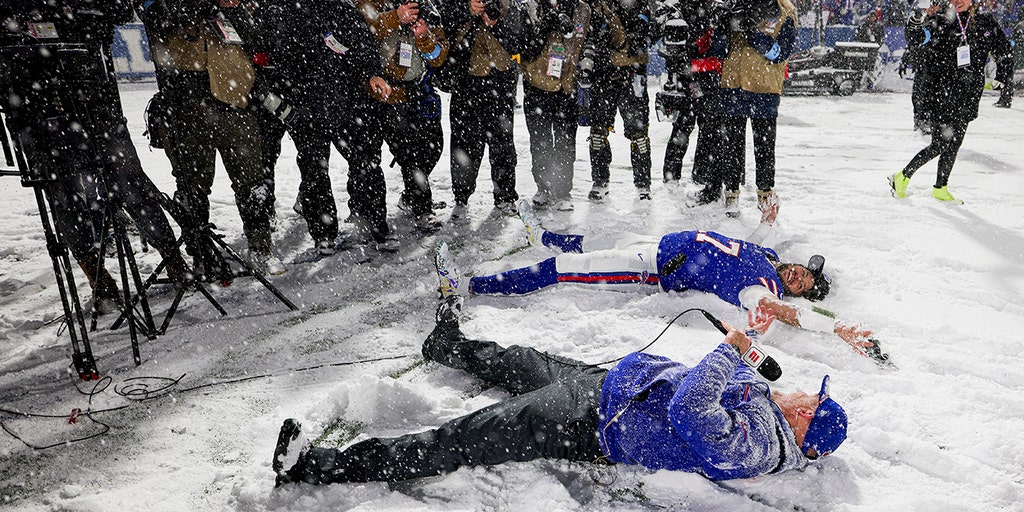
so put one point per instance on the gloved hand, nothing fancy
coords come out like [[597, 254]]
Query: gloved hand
[[902, 70]]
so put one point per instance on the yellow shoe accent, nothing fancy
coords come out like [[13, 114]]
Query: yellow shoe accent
[[899, 183], [942, 194]]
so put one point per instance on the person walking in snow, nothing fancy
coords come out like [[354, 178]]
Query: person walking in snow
[[716, 419], [955, 42], [739, 272]]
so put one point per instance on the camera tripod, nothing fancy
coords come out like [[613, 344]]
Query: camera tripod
[[59, 142]]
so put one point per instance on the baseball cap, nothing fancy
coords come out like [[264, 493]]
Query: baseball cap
[[828, 427], [822, 283]]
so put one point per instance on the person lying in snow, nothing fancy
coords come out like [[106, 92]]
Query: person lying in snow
[[716, 418], [737, 271]]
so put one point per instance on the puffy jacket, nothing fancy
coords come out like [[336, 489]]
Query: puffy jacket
[[322, 48], [954, 92], [716, 419]]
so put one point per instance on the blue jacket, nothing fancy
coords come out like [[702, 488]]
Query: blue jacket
[[716, 419]]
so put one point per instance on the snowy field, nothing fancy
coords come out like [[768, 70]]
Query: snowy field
[[940, 285]]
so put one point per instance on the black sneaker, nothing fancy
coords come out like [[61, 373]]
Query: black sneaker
[[290, 447]]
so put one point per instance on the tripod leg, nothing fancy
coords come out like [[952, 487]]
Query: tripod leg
[[82, 358], [259, 277]]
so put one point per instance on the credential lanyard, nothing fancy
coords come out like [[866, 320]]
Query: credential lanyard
[[963, 27]]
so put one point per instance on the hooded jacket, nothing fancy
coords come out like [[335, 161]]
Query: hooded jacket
[[716, 419]]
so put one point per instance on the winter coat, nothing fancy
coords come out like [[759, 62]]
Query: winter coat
[[476, 49], [323, 49], [188, 45], [75, 21], [548, 48], [716, 419], [621, 36], [430, 50], [953, 92], [754, 67]]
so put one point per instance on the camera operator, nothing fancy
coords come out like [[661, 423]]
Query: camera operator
[[956, 41], [556, 32], [693, 84], [614, 66], [62, 105], [412, 44], [205, 76], [482, 76], [326, 59], [760, 35]]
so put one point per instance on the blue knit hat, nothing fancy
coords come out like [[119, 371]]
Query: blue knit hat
[[828, 427]]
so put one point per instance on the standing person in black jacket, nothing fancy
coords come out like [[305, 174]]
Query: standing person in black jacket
[[325, 54], [912, 57], [411, 50], [696, 84], [618, 44], [482, 78], [557, 31], [955, 41], [205, 73]]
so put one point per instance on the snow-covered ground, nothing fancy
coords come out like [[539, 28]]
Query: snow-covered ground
[[940, 285]]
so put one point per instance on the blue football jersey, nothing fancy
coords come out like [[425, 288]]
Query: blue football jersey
[[709, 262]]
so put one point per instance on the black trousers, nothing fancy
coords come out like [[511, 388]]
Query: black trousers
[[552, 414], [945, 144], [416, 141], [734, 146], [482, 117], [704, 115], [616, 95], [551, 119]]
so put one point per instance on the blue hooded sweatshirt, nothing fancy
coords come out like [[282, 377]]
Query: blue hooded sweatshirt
[[716, 419]]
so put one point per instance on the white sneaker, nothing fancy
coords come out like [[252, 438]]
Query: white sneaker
[[460, 210], [266, 264], [564, 205], [534, 233], [541, 200], [447, 275], [598, 193], [506, 208], [427, 222], [644, 193], [732, 203], [325, 248], [389, 244]]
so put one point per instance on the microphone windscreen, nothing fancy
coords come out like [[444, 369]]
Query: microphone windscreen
[[769, 369]]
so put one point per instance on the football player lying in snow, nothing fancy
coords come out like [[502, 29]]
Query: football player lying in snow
[[737, 271], [716, 418]]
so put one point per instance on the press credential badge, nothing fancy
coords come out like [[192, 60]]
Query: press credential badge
[[963, 56], [555, 60], [405, 55], [334, 44]]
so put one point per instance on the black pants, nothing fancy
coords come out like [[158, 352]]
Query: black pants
[[553, 414], [734, 147], [482, 116], [945, 144], [704, 114], [616, 95], [551, 118], [352, 126], [416, 142]]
